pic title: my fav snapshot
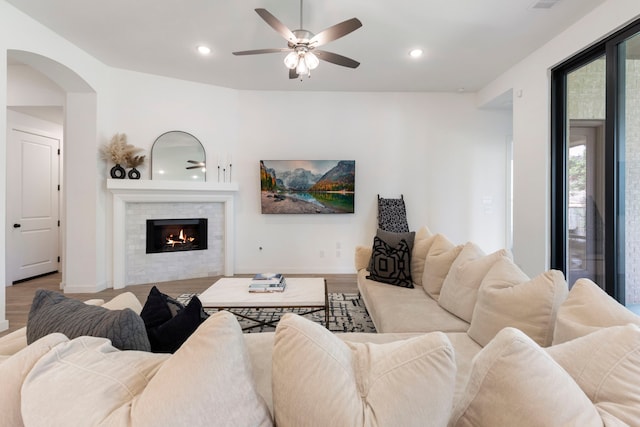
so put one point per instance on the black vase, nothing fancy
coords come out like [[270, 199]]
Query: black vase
[[118, 172], [134, 174]]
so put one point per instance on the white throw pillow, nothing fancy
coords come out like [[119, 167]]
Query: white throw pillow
[[606, 366], [14, 370], [460, 288], [507, 297], [320, 380], [421, 244], [587, 309], [514, 382], [208, 381], [441, 255]]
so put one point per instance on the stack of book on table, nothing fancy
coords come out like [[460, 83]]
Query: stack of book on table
[[267, 282]]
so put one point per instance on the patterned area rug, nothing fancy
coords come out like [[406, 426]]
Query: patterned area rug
[[347, 313]]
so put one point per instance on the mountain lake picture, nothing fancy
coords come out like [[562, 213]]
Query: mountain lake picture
[[307, 186]]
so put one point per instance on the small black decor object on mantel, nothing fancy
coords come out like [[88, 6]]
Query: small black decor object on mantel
[[134, 174], [118, 172]]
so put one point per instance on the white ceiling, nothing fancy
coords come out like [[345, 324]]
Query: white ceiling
[[467, 43]]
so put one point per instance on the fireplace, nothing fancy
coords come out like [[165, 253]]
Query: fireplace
[[176, 235]]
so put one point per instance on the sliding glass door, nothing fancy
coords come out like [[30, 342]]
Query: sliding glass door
[[628, 139], [585, 167], [595, 204]]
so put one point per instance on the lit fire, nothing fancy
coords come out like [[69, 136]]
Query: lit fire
[[180, 240]]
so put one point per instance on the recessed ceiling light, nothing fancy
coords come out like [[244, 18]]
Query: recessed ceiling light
[[416, 53], [204, 50]]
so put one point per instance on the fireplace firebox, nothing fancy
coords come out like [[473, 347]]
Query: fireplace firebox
[[176, 235]]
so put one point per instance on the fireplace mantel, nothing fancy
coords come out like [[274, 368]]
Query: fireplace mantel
[[147, 191]]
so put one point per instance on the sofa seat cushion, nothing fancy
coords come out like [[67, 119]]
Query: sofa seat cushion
[[87, 381], [395, 309], [587, 309], [320, 380], [514, 382]]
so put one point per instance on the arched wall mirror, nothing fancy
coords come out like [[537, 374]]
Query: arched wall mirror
[[178, 156]]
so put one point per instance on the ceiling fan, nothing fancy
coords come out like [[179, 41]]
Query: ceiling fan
[[196, 164], [302, 44]]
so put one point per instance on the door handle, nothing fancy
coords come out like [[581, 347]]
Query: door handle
[[17, 225]]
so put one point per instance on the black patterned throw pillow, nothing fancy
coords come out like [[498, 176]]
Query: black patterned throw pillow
[[391, 265]]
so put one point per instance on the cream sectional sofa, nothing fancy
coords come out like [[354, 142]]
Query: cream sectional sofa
[[531, 353]]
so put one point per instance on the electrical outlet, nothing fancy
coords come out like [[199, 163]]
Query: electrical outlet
[[338, 245], [321, 254], [337, 254]]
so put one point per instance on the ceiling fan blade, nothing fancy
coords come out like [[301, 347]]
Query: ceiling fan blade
[[293, 74], [194, 167], [277, 25], [260, 51], [195, 162], [335, 32], [334, 58]]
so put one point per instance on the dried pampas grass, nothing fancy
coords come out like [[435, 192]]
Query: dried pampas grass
[[120, 152], [134, 161]]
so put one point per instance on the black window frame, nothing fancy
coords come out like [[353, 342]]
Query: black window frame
[[614, 177]]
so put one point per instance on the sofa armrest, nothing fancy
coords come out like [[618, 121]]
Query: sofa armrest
[[362, 257], [13, 342]]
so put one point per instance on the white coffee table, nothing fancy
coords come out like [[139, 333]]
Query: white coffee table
[[308, 293]]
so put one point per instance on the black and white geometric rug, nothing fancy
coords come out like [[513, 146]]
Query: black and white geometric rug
[[347, 313]]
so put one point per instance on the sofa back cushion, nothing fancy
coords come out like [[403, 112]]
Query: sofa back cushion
[[514, 382], [87, 381], [587, 309], [507, 297], [13, 372], [423, 241], [441, 255], [606, 366], [320, 380], [460, 287]]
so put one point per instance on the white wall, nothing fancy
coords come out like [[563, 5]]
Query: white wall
[[410, 144], [403, 143], [530, 81]]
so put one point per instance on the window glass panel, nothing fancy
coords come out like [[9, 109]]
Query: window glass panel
[[586, 107], [629, 149]]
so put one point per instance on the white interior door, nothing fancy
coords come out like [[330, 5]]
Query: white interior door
[[32, 205]]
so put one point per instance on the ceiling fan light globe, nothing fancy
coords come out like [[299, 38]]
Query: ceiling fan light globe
[[311, 60], [291, 60], [302, 67]]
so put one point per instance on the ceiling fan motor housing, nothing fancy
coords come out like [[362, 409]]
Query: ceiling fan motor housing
[[303, 38]]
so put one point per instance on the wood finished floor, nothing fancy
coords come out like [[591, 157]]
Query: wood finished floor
[[19, 296]]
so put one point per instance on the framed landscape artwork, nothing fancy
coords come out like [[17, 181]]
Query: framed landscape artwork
[[307, 186]]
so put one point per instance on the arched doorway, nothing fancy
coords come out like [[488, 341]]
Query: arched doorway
[[79, 134]]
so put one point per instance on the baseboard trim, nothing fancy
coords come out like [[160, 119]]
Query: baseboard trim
[[68, 289]]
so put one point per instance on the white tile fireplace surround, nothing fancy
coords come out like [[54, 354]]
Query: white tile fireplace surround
[[135, 201]]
